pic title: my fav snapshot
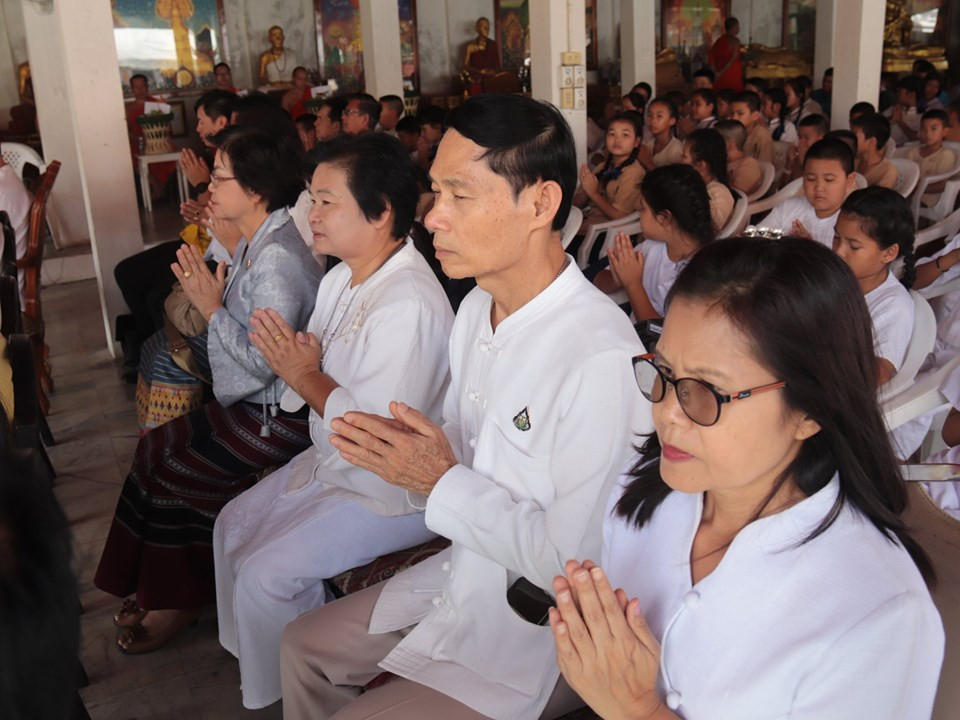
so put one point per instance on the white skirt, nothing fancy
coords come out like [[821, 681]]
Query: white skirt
[[273, 549]]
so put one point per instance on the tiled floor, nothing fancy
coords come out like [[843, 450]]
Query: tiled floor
[[94, 422]]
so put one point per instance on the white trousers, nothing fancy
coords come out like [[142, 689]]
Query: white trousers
[[272, 552]]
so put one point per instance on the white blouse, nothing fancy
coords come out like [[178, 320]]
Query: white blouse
[[542, 414], [892, 311], [837, 627], [385, 339]]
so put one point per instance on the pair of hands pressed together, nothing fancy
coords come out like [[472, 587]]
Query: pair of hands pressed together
[[408, 450], [605, 650], [203, 288], [194, 168], [625, 262]]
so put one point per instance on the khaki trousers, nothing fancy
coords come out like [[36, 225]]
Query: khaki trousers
[[327, 655]]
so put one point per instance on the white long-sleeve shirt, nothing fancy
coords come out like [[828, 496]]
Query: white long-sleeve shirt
[[384, 339], [542, 414], [839, 627]]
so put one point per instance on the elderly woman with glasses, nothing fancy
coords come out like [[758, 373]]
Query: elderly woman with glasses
[[184, 471], [754, 561]]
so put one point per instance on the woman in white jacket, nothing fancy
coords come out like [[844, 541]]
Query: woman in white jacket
[[759, 532]]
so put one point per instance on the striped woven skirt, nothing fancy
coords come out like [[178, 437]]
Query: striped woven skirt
[[164, 391], [160, 544]]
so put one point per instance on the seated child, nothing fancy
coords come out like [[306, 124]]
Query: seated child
[[940, 268], [675, 215], [799, 104], [725, 98], [746, 109], [872, 133], [408, 131], [612, 189], [703, 103], [811, 129], [953, 115], [932, 89], [703, 79], [663, 148], [828, 177], [744, 171], [931, 155], [706, 152], [875, 227], [903, 116], [774, 109]]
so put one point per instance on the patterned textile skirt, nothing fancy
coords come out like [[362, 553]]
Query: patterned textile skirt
[[160, 544], [164, 391]]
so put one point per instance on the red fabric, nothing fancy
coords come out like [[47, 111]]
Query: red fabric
[[486, 59], [161, 171], [298, 107], [721, 52]]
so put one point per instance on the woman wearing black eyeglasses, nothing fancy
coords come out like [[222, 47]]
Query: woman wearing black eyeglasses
[[764, 567]]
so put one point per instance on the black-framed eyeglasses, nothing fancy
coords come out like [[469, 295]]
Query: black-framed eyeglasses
[[217, 179], [699, 400]]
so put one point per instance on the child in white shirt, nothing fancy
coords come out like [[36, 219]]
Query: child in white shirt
[[875, 227], [828, 177]]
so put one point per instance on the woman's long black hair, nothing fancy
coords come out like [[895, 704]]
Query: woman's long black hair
[[808, 321]]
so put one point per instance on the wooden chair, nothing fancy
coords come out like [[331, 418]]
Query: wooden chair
[[30, 265]]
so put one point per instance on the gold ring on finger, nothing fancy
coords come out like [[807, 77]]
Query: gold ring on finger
[[277, 339], [187, 274]]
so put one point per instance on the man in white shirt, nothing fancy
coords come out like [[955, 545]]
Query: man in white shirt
[[828, 177], [538, 420], [16, 201]]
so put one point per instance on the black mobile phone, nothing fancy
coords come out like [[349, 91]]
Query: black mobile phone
[[530, 602]]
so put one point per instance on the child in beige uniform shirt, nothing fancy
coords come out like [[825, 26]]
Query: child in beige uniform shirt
[[612, 190], [932, 157], [873, 131], [746, 109]]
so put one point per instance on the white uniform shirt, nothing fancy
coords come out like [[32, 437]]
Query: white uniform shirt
[[835, 628], [659, 272], [386, 339], [911, 119], [789, 135], [797, 208], [947, 307], [16, 201], [892, 311], [542, 414]]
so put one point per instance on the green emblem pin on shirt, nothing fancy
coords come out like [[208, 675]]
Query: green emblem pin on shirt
[[522, 420]]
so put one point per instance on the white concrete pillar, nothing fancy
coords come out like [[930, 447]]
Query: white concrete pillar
[[380, 24], [826, 20], [638, 44], [857, 56], [80, 111], [555, 28]]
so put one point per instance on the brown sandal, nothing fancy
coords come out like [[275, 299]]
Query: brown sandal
[[137, 640], [130, 614]]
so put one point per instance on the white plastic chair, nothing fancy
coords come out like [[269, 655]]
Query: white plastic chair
[[18, 155], [738, 218], [791, 189], [921, 344], [909, 175], [860, 181], [890, 149], [634, 228], [769, 173], [948, 197], [922, 396], [945, 228], [598, 230], [574, 220]]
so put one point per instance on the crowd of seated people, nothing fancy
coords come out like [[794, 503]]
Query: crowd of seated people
[[582, 570]]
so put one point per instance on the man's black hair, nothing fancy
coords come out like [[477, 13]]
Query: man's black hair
[[525, 141]]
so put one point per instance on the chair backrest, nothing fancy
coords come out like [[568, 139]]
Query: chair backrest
[[947, 198], [909, 175], [30, 263], [738, 218], [570, 230], [946, 228], [769, 173], [890, 149], [597, 231], [921, 344], [780, 149], [19, 155], [791, 189]]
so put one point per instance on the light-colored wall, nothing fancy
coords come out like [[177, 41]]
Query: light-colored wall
[[444, 27], [761, 20], [13, 51]]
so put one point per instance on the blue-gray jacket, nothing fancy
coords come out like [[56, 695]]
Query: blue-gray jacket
[[274, 270]]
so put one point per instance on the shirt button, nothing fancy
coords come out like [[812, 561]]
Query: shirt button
[[446, 566], [673, 699], [692, 600], [436, 601], [472, 442], [473, 396]]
